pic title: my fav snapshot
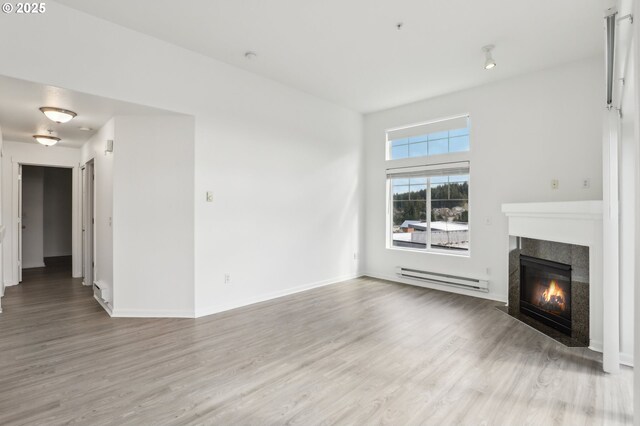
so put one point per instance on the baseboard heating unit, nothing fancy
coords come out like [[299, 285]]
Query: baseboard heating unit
[[100, 291], [443, 279]]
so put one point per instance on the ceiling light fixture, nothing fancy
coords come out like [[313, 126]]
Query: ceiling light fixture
[[47, 140], [58, 115], [250, 55], [489, 63]]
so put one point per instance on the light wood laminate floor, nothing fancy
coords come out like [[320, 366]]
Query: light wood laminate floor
[[359, 352]]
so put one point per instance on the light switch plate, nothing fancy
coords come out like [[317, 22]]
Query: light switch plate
[[209, 197]]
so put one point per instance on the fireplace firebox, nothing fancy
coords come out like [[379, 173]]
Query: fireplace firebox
[[545, 292]]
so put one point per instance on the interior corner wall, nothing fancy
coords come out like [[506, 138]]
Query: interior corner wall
[[94, 149], [15, 153], [283, 166], [285, 216], [525, 131], [153, 217]]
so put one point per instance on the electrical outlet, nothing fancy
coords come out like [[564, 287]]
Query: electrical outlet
[[555, 183], [488, 221], [227, 278], [586, 183]]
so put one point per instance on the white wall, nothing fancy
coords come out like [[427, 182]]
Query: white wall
[[628, 191], [153, 228], [285, 176], [15, 153], [2, 220], [94, 149], [32, 217], [57, 208], [295, 157], [635, 54], [525, 132]]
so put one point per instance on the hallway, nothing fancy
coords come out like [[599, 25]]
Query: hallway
[[44, 290]]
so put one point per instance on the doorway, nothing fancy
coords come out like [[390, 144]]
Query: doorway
[[45, 220]]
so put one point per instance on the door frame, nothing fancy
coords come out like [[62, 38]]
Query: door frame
[[76, 225]]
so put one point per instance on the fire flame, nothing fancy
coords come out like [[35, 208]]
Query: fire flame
[[554, 295]]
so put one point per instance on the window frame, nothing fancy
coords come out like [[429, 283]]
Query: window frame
[[428, 248], [432, 161], [388, 142]]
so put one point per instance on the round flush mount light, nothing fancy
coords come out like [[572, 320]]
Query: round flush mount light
[[58, 115], [250, 55], [46, 140], [489, 62]]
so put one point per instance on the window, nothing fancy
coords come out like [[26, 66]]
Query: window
[[433, 138], [428, 201]]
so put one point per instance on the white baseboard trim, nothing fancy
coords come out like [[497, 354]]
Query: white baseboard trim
[[104, 305], [210, 310], [142, 313], [37, 265], [626, 359], [151, 313], [595, 345], [433, 286]]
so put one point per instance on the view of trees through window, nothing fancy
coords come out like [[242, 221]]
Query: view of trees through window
[[438, 219]]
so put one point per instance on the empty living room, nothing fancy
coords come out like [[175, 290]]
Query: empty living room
[[464, 178]]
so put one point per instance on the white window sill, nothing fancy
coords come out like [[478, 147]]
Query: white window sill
[[466, 255]]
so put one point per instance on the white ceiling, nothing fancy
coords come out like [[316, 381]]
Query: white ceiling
[[349, 51], [20, 117]]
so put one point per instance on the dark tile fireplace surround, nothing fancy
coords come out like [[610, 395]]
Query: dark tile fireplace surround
[[549, 289]]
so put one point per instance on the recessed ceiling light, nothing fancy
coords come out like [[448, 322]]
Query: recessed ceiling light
[[250, 55], [399, 25], [489, 63], [85, 129], [58, 115], [47, 140]]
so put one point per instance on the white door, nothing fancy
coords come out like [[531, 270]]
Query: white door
[[20, 225]]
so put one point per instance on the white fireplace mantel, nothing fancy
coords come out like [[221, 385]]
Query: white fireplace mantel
[[571, 222]]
